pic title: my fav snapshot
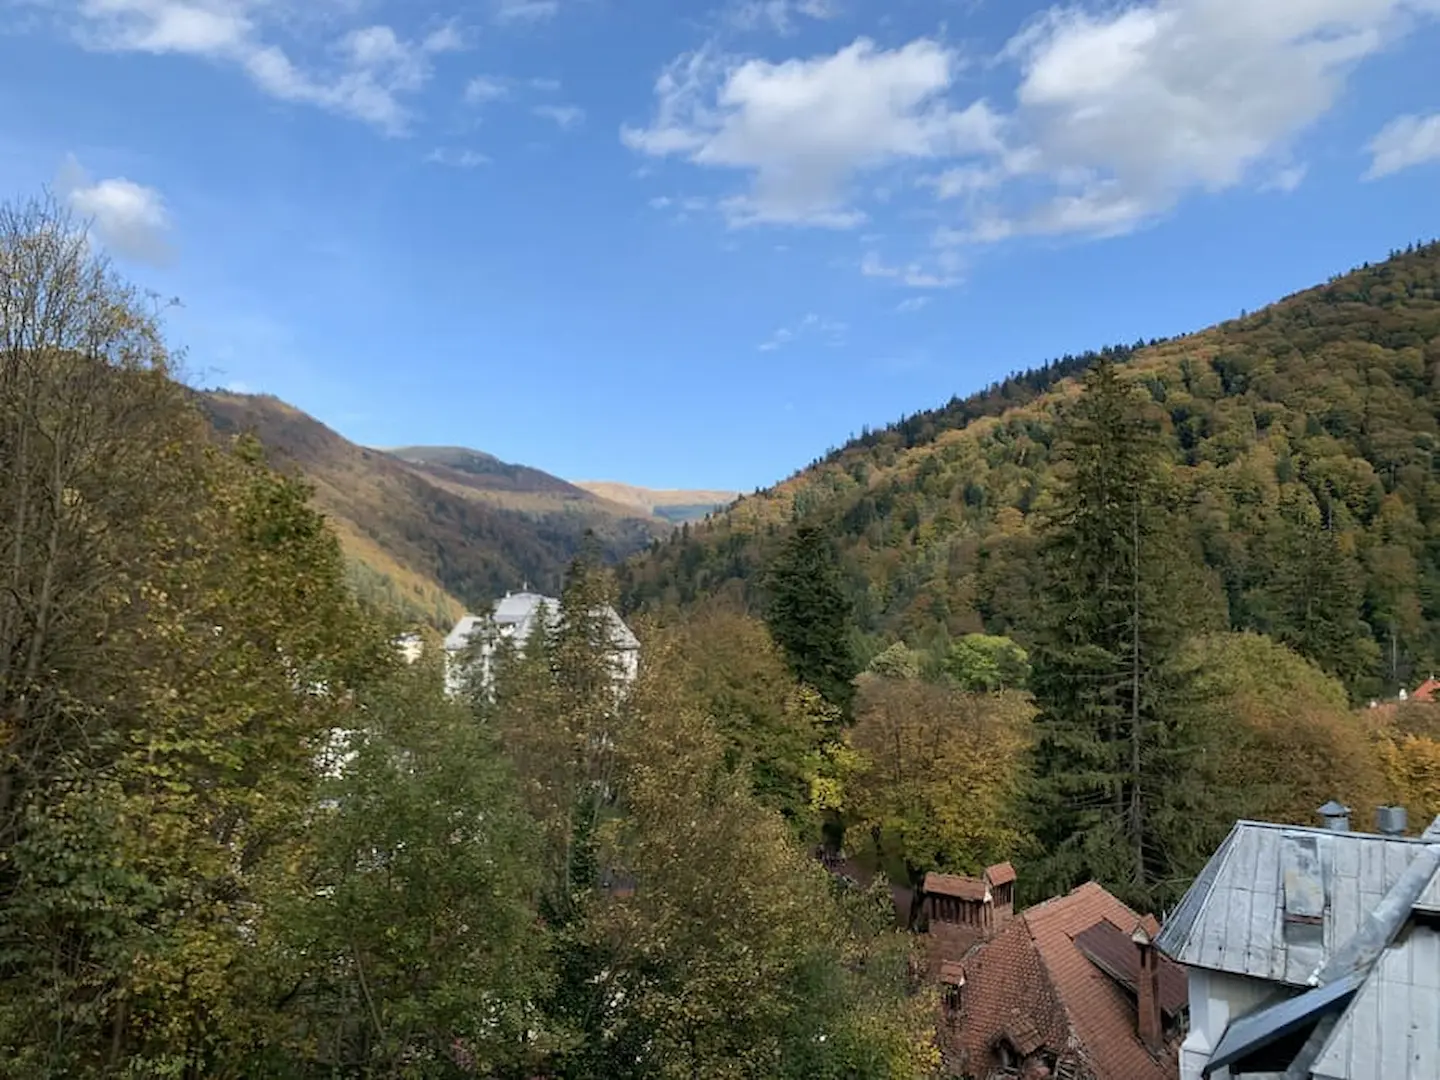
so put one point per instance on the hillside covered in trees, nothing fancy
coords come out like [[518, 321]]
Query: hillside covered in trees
[[1300, 446], [434, 530]]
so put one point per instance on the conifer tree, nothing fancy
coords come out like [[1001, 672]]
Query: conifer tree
[[1119, 594], [809, 614]]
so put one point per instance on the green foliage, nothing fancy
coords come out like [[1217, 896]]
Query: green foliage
[[987, 662], [414, 949], [1117, 606], [809, 615], [936, 775]]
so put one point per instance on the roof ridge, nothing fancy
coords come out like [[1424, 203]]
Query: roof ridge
[[1323, 830]]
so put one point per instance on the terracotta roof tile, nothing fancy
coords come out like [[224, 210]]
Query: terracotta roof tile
[[962, 888], [1032, 977], [1000, 874]]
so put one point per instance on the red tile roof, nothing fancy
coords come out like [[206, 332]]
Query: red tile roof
[[1427, 690], [1000, 874], [962, 888], [1113, 951], [1034, 972]]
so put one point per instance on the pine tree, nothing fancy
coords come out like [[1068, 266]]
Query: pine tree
[[809, 614], [1119, 593]]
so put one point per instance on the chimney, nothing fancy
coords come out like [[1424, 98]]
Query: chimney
[[1147, 992], [1391, 821], [1336, 816]]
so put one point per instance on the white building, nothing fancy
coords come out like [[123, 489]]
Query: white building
[[475, 637], [1313, 953]]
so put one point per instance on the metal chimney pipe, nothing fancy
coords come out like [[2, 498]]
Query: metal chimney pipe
[[1391, 821], [1336, 816]]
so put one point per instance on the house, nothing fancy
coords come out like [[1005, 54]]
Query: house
[[474, 638], [1071, 989], [1313, 953], [958, 911]]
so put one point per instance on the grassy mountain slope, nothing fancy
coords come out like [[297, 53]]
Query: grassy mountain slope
[[426, 542], [673, 506], [1319, 412]]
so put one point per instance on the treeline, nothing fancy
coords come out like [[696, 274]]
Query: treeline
[[1122, 740], [1299, 443], [240, 837]]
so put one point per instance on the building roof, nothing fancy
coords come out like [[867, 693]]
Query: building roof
[[1427, 690], [1113, 951], [962, 888], [1351, 918], [1391, 1030], [1275, 900], [1000, 874], [1034, 975], [516, 615]]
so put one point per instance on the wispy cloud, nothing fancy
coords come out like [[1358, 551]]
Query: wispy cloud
[[916, 275], [912, 304], [563, 116], [525, 11], [482, 89], [812, 325], [366, 72], [1403, 143], [457, 159]]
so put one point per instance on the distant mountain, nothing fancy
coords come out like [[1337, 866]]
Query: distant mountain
[[1305, 439], [673, 506], [435, 530]]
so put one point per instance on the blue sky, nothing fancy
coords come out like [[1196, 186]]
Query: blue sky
[[695, 245]]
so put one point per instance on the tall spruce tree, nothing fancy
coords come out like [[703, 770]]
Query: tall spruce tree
[[809, 614], [1120, 593]]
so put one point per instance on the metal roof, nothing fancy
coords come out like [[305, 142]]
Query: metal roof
[[1259, 1029], [1253, 909], [1392, 1029], [518, 614]]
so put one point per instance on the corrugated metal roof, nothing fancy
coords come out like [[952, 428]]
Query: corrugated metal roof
[[1392, 1029], [1234, 917]]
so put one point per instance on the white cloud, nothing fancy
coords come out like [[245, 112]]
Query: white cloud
[[1127, 112], [1404, 142], [522, 11], [1119, 113], [485, 88], [128, 219], [781, 16], [564, 116], [458, 159], [811, 325], [911, 304], [914, 274], [804, 129], [366, 73]]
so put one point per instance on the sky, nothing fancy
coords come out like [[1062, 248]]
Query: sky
[[698, 244]]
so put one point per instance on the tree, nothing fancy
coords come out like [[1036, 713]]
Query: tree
[[1273, 737], [937, 776], [733, 956], [773, 726], [985, 662], [414, 948], [809, 614], [1119, 590]]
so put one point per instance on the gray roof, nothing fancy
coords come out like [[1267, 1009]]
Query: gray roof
[[1352, 915], [1275, 900], [518, 614], [1392, 1029]]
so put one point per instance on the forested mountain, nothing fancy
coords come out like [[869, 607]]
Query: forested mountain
[[430, 530], [678, 506], [1301, 443]]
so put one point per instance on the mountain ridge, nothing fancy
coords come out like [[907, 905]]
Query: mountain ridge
[[1321, 407]]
